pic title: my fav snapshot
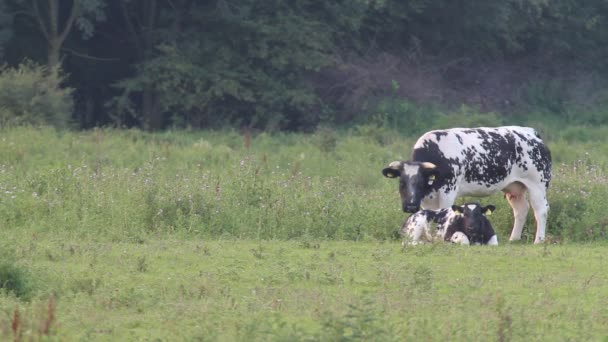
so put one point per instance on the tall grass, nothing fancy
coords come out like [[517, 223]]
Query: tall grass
[[126, 185]]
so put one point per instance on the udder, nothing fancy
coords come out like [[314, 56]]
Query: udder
[[514, 190]]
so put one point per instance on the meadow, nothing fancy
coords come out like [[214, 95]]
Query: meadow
[[220, 235]]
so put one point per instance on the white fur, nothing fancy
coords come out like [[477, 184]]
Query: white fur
[[460, 238], [493, 241]]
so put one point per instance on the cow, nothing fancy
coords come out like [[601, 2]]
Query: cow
[[471, 221], [418, 226], [465, 225], [446, 164]]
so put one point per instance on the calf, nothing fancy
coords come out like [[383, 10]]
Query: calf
[[446, 164], [459, 224], [473, 223]]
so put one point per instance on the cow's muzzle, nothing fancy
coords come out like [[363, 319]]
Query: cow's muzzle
[[411, 208]]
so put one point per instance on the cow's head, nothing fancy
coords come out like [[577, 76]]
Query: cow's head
[[473, 215], [415, 181]]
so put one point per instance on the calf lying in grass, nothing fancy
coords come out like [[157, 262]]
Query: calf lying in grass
[[465, 225]]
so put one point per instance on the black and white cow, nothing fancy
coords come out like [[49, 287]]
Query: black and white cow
[[426, 225], [446, 164], [471, 221], [465, 225]]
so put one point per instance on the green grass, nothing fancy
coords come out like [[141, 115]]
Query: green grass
[[319, 290], [125, 235]]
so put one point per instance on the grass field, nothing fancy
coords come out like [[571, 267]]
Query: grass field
[[308, 290], [125, 235]]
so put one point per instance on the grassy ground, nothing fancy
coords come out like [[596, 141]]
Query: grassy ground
[[286, 290], [119, 234]]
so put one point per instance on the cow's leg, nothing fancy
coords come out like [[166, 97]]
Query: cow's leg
[[517, 200], [538, 200]]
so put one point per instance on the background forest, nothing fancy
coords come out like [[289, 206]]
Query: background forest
[[292, 65]]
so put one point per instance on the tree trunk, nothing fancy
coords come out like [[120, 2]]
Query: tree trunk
[[50, 27], [54, 58], [146, 13], [153, 116]]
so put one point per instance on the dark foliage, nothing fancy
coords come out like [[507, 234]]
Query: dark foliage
[[294, 64]]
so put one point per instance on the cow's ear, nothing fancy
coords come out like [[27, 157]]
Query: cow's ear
[[393, 170], [458, 210], [488, 209]]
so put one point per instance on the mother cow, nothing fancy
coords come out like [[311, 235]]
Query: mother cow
[[446, 164]]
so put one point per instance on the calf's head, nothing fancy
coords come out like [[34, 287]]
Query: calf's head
[[473, 215], [415, 181]]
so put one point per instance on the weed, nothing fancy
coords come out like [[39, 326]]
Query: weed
[[422, 278], [14, 279], [258, 252], [49, 318], [85, 285], [504, 320], [326, 139], [142, 264], [16, 325], [362, 322]]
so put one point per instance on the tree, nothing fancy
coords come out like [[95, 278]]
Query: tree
[[141, 20], [242, 62], [6, 22], [56, 19]]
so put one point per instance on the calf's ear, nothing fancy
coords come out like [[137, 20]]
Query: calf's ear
[[458, 210], [488, 210], [393, 170]]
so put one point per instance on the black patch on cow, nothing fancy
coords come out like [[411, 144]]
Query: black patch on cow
[[459, 139], [430, 215], [541, 158], [439, 134], [522, 137], [430, 152], [495, 163], [441, 216]]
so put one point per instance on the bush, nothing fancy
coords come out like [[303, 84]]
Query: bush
[[399, 117], [13, 279], [30, 95]]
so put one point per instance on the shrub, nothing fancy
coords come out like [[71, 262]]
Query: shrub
[[30, 95], [394, 117], [14, 280]]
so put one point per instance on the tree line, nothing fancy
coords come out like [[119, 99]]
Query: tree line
[[276, 64]]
